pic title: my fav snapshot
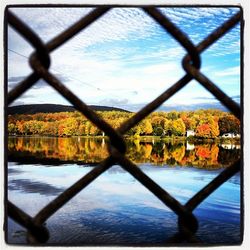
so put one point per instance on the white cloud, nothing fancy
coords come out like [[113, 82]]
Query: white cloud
[[50, 21], [167, 68], [234, 71], [117, 24], [123, 53]]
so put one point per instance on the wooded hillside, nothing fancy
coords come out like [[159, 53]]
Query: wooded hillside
[[204, 123], [53, 108]]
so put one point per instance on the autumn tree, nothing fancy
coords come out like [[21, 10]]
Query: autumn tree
[[206, 123], [178, 127], [94, 130], [19, 126], [145, 127], [203, 130], [173, 115], [213, 122], [12, 129], [168, 127], [229, 124]]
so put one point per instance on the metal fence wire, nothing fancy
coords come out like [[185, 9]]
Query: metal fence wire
[[40, 62]]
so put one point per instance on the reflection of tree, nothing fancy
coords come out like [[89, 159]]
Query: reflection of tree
[[227, 157], [203, 152], [158, 149], [206, 155], [89, 150], [214, 154], [179, 153], [147, 150]]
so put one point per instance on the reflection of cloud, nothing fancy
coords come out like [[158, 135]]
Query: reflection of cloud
[[12, 171], [28, 186], [16, 78]]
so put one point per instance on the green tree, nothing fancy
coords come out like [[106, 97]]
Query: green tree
[[158, 131]]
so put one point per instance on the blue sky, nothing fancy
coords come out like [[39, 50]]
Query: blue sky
[[125, 59]]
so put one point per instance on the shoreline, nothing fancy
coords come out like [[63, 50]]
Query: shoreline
[[146, 138]]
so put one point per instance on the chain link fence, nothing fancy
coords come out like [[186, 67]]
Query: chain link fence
[[40, 63]]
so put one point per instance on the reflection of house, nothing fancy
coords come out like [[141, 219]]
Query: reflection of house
[[103, 142], [230, 146], [189, 146], [190, 133], [231, 135]]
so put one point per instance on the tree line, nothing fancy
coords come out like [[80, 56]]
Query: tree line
[[204, 123]]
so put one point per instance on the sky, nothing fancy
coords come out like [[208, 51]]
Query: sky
[[125, 59]]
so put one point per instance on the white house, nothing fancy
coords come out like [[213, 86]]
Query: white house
[[190, 133]]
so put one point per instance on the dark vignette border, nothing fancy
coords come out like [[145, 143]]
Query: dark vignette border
[[5, 42]]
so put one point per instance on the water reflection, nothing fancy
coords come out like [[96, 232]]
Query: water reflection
[[92, 150], [29, 186], [107, 212]]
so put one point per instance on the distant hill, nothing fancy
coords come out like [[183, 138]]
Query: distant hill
[[180, 107], [53, 108]]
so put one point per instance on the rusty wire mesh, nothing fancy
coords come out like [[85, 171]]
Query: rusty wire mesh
[[40, 63]]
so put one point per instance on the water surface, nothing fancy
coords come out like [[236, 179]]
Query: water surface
[[116, 209]]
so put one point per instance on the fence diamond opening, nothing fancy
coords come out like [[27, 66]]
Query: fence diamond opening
[[40, 63]]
